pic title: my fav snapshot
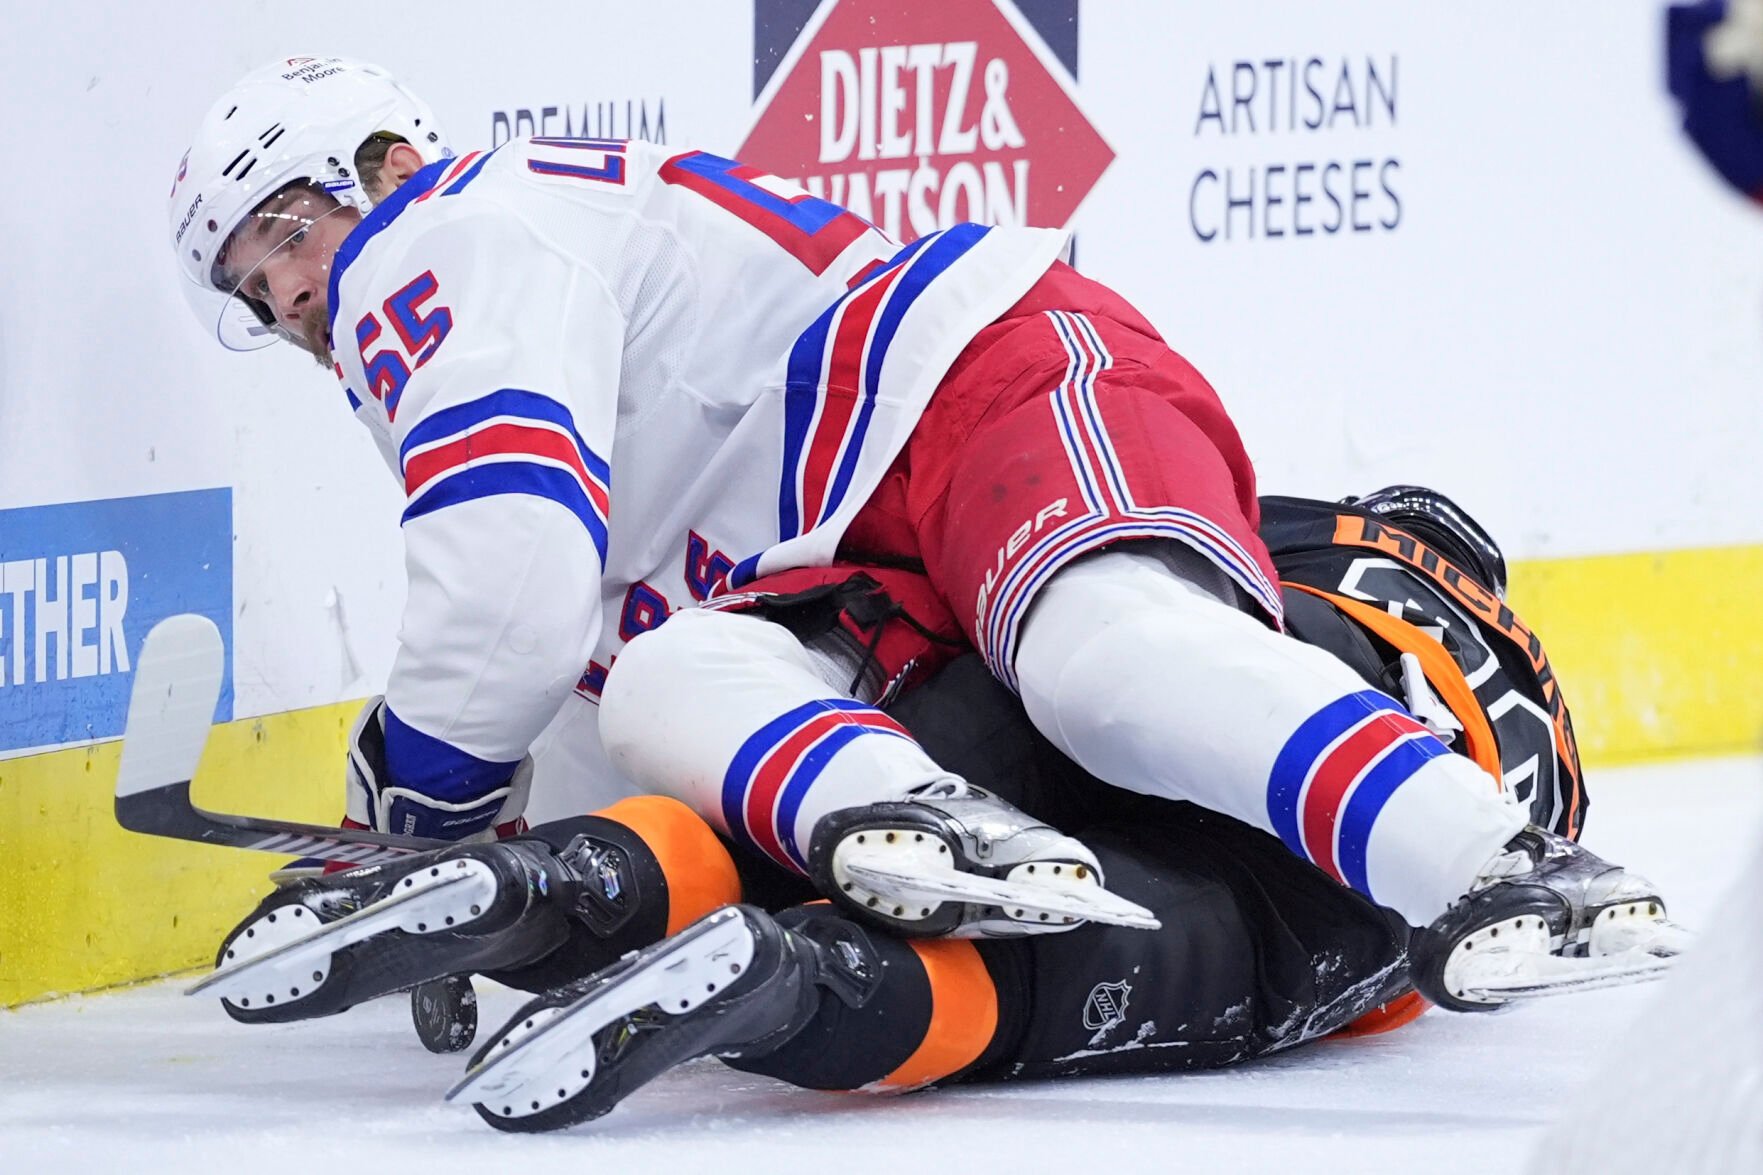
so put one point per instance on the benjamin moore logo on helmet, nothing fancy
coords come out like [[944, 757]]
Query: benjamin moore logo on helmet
[[183, 170], [921, 116], [310, 69]]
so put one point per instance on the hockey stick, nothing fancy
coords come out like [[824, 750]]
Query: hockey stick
[[171, 707]]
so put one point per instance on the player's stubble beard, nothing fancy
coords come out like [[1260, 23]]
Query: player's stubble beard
[[315, 333]]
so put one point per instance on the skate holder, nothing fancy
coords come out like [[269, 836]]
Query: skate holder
[[549, 1056], [290, 950]]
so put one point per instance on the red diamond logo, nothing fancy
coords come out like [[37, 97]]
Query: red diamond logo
[[922, 116]]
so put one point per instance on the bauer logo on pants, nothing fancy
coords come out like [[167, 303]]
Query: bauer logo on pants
[[918, 117], [80, 585]]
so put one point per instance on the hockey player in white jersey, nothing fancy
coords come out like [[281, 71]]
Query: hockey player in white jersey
[[615, 380]]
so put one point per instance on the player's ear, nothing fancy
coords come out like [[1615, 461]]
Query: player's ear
[[402, 162]]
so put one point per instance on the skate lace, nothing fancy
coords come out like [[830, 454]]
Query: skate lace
[[1512, 863], [948, 789]]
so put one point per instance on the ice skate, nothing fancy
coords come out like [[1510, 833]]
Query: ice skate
[[319, 946], [734, 983], [1546, 917], [954, 860]]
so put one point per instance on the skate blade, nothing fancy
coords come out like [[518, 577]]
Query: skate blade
[[1024, 901], [295, 951], [1630, 951], [1655, 936], [1492, 979], [548, 1057]]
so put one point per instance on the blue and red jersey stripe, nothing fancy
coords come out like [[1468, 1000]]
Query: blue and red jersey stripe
[[1336, 773], [508, 442], [454, 174], [834, 377], [774, 770], [810, 229]]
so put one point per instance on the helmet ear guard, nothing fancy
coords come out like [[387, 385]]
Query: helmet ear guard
[[259, 310]]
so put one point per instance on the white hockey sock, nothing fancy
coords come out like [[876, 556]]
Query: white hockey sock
[[1133, 663], [734, 716]]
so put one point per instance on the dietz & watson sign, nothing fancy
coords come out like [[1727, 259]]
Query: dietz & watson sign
[[917, 117]]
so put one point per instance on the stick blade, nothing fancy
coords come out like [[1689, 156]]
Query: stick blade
[[171, 707], [171, 710]]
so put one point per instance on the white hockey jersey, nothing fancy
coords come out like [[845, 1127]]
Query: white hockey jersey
[[610, 376]]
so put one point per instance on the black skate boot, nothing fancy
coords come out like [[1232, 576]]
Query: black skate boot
[[322, 945], [1546, 917], [951, 859], [732, 984], [1443, 525]]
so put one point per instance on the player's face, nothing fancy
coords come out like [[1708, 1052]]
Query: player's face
[[281, 258]]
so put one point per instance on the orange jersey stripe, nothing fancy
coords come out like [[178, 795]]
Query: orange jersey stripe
[[963, 1014], [700, 874]]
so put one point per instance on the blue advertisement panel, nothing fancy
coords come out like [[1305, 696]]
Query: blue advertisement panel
[[81, 583]]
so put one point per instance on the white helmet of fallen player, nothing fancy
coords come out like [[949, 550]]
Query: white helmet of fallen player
[[278, 150]]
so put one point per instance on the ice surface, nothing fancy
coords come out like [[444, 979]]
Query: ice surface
[[146, 1080]]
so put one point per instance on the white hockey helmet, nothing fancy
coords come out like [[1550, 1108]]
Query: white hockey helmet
[[298, 118]]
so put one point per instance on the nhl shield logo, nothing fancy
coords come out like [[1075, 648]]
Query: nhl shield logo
[[917, 117], [1106, 1006]]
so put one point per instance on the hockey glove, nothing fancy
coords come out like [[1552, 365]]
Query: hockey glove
[[475, 800]]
